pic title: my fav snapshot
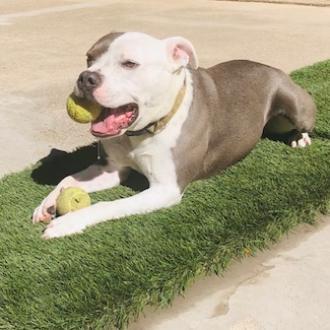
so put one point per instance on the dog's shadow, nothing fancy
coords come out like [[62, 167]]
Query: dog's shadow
[[58, 164]]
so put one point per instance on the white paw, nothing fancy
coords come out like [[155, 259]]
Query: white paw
[[46, 210], [303, 142], [65, 225]]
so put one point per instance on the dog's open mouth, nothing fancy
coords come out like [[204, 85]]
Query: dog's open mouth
[[113, 120]]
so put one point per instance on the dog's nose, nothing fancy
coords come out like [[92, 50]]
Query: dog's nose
[[89, 80]]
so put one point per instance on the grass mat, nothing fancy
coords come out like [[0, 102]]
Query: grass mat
[[105, 277]]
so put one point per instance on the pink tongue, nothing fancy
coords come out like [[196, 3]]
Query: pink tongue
[[111, 122]]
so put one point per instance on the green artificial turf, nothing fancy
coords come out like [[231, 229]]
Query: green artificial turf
[[103, 278]]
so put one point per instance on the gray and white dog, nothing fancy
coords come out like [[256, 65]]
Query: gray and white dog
[[172, 121]]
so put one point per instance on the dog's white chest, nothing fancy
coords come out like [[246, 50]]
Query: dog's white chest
[[154, 159]]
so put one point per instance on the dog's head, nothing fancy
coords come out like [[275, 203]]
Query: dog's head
[[132, 76]]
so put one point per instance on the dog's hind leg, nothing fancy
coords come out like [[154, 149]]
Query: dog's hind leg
[[292, 115]]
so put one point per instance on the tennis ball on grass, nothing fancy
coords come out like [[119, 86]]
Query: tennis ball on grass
[[81, 110], [72, 199]]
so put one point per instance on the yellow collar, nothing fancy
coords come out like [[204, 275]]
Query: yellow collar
[[159, 125]]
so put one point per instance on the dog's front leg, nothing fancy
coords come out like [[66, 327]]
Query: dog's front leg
[[156, 197], [93, 178]]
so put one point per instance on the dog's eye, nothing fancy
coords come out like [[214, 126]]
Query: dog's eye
[[128, 64]]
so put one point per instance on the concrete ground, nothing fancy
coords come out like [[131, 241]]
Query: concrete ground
[[43, 45]]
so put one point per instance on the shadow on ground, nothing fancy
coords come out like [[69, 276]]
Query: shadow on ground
[[58, 164]]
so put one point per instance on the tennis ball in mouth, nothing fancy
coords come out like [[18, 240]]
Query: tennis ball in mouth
[[81, 110], [72, 199]]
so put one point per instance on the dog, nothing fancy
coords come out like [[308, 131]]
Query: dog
[[173, 122]]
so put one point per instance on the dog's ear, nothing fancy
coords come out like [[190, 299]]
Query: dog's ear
[[101, 46], [181, 52]]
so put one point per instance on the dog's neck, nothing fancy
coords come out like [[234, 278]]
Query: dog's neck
[[157, 126]]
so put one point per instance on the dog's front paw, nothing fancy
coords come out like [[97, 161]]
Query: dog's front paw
[[46, 210], [64, 226]]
